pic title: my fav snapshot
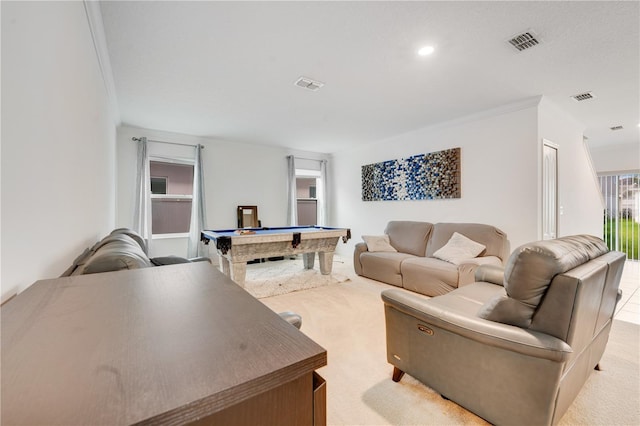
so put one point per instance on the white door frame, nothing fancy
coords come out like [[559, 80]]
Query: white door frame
[[549, 189]]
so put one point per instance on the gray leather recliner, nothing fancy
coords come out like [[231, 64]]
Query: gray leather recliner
[[516, 346], [122, 249]]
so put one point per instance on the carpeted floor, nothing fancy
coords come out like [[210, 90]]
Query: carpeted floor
[[348, 320]]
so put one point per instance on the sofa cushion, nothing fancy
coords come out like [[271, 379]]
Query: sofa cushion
[[458, 249], [529, 272], [378, 243], [491, 237], [116, 252], [469, 299], [383, 266], [409, 237], [134, 235], [429, 276]]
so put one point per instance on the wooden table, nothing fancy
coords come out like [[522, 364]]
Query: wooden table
[[162, 345]]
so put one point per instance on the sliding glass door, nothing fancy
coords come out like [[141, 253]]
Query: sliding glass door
[[621, 195]]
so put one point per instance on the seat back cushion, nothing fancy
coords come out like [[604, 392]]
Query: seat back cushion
[[409, 237], [580, 303], [134, 235], [492, 238], [116, 252], [529, 271]]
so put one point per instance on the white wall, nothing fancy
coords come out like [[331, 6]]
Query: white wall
[[616, 158], [58, 142], [579, 197], [499, 176], [235, 174]]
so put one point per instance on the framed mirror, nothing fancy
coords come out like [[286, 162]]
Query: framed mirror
[[248, 217]]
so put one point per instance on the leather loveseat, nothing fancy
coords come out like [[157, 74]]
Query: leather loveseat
[[126, 249], [413, 266], [516, 346], [121, 249]]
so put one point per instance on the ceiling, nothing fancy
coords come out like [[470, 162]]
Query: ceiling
[[226, 70]]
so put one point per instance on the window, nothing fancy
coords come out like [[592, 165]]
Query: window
[[307, 202], [171, 196], [159, 185], [306, 191]]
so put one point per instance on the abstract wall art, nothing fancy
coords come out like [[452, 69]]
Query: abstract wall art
[[422, 177]]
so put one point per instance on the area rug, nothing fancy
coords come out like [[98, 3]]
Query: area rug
[[273, 278]]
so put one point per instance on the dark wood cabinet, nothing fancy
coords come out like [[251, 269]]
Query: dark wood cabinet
[[166, 345]]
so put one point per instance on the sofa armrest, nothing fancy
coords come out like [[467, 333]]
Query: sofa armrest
[[357, 251], [200, 259], [86, 254], [468, 268], [508, 337], [490, 273], [174, 260], [168, 260]]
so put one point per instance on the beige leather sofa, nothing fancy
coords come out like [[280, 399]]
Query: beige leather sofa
[[516, 346], [414, 267]]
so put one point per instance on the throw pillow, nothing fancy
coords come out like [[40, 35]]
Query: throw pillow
[[458, 249], [378, 243]]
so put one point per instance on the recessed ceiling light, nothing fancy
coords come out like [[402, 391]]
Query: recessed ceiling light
[[426, 50]]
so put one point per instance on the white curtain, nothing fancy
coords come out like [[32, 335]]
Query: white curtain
[[198, 211], [322, 194], [292, 203], [142, 208]]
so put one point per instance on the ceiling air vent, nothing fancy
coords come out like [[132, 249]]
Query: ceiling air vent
[[307, 83], [583, 96], [524, 41], [616, 128]]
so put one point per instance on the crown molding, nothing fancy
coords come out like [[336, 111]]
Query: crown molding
[[493, 112]]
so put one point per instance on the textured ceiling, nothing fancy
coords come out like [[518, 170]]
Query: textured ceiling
[[227, 69]]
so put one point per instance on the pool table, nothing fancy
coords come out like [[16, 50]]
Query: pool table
[[237, 246]]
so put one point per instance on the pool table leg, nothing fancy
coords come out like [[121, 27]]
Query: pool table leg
[[326, 262], [224, 265], [236, 271], [239, 272], [308, 259]]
